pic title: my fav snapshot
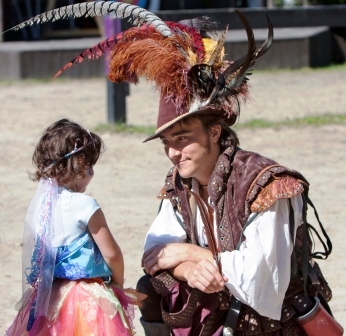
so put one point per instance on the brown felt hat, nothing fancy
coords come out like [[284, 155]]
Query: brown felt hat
[[168, 116], [211, 86]]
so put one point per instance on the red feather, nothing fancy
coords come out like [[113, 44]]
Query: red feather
[[104, 47], [92, 53], [194, 35]]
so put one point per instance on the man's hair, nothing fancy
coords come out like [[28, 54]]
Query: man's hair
[[228, 137], [65, 151]]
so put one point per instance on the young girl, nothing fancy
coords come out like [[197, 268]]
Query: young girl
[[73, 268]]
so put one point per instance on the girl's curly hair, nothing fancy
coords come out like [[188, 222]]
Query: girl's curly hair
[[59, 139]]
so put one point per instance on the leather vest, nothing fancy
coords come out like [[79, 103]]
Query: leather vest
[[244, 182]]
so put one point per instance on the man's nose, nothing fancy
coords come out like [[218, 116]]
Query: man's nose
[[173, 153]]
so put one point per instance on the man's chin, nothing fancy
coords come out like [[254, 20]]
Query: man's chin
[[184, 174]]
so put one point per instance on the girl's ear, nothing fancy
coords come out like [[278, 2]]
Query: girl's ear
[[215, 133]]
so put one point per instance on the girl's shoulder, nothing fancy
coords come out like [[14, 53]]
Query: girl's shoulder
[[83, 206], [82, 198]]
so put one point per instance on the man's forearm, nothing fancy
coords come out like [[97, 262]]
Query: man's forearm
[[180, 272], [166, 257], [195, 253], [191, 255]]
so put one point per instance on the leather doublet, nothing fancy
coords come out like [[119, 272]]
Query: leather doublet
[[244, 182]]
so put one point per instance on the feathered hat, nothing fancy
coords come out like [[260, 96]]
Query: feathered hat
[[185, 60]]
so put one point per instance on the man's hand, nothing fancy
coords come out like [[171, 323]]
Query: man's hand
[[205, 276], [186, 262], [164, 257]]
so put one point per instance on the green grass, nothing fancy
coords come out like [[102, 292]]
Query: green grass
[[332, 67], [341, 67], [50, 80], [313, 120], [123, 128]]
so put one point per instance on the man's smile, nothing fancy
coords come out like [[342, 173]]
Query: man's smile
[[180, 162]]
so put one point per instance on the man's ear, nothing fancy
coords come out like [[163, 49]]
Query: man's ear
[[215, 133]]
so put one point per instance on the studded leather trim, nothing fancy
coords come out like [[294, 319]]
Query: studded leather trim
[[282, 187], [162, 283], [162, 194], [180, 318]]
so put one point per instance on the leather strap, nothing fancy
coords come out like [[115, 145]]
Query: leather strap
[[207, 219], [232, 318], [326, 245]]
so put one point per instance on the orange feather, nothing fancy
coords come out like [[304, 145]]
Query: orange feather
[[159, 59]]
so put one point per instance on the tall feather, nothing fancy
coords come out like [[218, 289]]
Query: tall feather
[[232, 81], [235, 75], [136, 15], [218, 50], [268, 42], [105, 46], [158, 60], [92, 53], [135, 33]]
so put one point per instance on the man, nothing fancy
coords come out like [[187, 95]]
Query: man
[[234, 187], [231, 233]]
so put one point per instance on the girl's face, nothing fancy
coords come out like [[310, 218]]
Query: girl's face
[[80, 183]]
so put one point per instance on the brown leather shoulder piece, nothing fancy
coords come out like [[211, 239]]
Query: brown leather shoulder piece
[[162, 194], [169, 186], [280, 187]]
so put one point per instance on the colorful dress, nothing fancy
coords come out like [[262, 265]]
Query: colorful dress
[[69, 289]]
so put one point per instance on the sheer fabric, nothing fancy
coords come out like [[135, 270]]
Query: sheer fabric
[[82, 307]]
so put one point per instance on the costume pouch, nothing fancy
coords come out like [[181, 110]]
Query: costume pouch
[[189, 311]]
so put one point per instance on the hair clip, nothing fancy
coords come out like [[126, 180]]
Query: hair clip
[[75, 150]]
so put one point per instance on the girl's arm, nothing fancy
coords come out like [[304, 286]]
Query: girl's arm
[[109, 248]]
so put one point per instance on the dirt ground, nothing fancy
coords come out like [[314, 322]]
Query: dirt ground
[[130, 173]]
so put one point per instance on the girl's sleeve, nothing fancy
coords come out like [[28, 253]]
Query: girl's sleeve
[[84, 207], [166, 227], [259, 272]]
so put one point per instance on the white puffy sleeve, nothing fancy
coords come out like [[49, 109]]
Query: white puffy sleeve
[[259, 272], [165, 228]]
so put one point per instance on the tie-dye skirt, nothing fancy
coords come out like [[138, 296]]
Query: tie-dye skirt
[[86, 307]]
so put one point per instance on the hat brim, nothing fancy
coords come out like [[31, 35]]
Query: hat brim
[[203, 111]]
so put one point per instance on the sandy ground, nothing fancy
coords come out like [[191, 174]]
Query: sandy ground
[[130, 173]]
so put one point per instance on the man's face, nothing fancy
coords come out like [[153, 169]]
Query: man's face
[[191, 149]]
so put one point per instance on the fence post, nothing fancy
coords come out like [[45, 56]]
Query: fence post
[[1, 21], [116, 92]]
